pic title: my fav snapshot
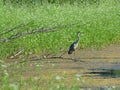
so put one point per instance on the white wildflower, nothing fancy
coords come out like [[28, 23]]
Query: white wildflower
[[37, 65], [113, 86], [53, 65], [1, 61], [4, 66], [6, 73], [58, 86], [36, 78], [78, 79], [78, 75], [14, 86], [58, 77]]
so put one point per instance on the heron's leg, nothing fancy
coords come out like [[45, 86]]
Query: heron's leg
[[71, 56], [74, 55]]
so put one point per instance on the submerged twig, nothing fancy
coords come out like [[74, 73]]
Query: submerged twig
[[18, 53], [55, 57]]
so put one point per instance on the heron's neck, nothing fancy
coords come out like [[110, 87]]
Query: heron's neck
[[78, 38]]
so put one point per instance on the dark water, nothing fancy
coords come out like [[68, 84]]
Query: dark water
[[106, 73], [107, 70], [101, 88], [112, 72]]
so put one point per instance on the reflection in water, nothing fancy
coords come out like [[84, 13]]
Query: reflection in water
[[101, 88], [106, 73]]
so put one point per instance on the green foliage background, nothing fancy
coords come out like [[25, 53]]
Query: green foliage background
[[99, 19]]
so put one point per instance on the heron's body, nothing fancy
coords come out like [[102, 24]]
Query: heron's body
[[74, 45]]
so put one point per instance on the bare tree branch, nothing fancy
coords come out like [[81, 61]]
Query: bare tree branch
[[16, 27], [49, 29], [41, 30]]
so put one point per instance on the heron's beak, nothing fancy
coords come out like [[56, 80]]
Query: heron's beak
[[82, 32]]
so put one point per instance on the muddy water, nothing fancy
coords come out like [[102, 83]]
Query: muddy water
[[102, 66]]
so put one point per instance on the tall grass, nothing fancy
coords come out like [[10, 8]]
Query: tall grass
[[101, 24], [41, 2]]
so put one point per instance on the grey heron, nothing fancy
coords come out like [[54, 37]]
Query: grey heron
[[74, 45]]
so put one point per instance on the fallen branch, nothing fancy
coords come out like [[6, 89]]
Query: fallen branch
[[27, 33], [49, 29], [55, 57], [16, 27], [18, 53]]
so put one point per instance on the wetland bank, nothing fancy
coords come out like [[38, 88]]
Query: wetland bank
[[35, 37], [94, 69]]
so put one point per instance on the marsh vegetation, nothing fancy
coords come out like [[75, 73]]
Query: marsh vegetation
[[35, 28]]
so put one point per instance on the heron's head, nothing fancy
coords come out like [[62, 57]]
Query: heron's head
[[79, 33]]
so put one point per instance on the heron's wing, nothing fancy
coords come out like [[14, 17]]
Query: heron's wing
[[72, 46], [71, 49]]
